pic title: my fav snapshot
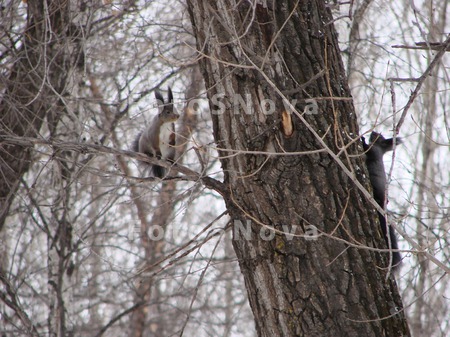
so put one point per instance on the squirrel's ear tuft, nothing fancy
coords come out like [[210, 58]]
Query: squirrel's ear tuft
[[159, 97], [170, 95], [375, 136]]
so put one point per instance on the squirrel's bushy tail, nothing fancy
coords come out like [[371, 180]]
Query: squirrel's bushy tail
[[391, 240]]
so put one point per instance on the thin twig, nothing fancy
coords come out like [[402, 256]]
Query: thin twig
[[422, 79]]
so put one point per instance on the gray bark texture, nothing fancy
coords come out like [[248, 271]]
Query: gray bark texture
[[333, 284]]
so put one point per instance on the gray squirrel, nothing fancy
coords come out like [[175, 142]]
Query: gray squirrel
[[374, 160], [158, 138]]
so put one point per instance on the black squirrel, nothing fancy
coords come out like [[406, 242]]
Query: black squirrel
[[158, 139], [374, 160]]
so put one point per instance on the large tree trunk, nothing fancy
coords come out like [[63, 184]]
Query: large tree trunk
[[331, 285]]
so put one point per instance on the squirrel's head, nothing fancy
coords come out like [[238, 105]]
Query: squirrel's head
[[167, 111], [379, 143]]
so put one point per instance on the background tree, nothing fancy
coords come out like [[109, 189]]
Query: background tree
[[383, 80]]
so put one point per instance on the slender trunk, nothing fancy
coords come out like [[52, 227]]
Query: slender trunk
[[147, 316], [428, 188]]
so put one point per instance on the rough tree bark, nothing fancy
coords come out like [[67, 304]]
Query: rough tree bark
[[334, 284], [38, 80]]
